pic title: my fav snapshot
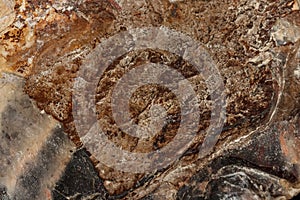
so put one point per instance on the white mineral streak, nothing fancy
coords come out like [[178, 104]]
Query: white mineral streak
[[172, 1], [297, 70], [7, 13]]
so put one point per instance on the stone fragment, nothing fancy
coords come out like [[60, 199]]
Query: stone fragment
[[285, 32], [80, 180], [34, 150]]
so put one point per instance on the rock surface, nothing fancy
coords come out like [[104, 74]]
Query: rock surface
[[34, 150], [255, 46]]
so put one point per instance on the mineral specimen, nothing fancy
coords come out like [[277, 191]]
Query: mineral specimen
[[54, 45]]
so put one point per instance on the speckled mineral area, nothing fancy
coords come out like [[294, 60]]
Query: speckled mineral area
[[91, 96]]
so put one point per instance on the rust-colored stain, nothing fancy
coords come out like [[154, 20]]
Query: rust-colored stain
[[289, 143], [115, 4]]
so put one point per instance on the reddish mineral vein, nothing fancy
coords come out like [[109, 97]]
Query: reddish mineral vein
[[115, 4]]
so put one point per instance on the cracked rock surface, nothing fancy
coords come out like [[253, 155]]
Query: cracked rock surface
[[46, 47]]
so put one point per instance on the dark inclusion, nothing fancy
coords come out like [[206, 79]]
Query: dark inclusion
[[80, 179]]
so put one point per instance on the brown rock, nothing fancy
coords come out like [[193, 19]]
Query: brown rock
[[255, 45]]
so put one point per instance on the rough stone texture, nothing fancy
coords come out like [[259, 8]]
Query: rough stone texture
[[256, 45], [34, 150], [7, 15], [80, 180]]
